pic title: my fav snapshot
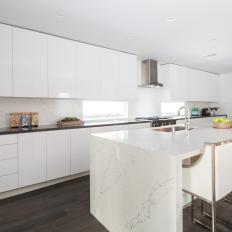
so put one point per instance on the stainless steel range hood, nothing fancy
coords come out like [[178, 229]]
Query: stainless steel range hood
[[149, 74]]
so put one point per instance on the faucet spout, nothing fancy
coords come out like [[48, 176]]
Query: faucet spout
[[187, 116]]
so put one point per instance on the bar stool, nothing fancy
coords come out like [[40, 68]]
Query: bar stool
[[209, 178]]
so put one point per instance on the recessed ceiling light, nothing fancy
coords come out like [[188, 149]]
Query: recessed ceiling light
[[210, 55], [131, 38], [60, 15], [171, 19], [212, 40]]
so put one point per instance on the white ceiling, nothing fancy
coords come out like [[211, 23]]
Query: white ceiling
[[202, 27]]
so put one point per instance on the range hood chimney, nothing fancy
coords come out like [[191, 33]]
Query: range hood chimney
[[149, 74]]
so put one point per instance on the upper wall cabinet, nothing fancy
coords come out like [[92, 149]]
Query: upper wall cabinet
[[6, 60], [29, 64], [127, 79], [118, 75], [87, 85], [186, 84], [62, 67], [49, 66]]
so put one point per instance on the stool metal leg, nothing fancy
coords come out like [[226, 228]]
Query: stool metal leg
[[214, 218], [192, 208]]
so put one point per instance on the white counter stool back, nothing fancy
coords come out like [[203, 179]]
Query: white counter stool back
[[209, 178]]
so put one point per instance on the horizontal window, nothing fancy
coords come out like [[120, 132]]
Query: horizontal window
[[104, 110]]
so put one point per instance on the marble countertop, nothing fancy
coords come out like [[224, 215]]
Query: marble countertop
[[181, 145]]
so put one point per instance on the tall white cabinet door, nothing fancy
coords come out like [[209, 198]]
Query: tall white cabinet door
[[87, 85], [80, 145], [127, 80], [29, 63], [5, 60], [109, 74], [62, 67], [32, 158], [58, 154]]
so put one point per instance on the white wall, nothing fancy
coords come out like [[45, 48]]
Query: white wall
[[50, 110], [226, 93], [147, 102]]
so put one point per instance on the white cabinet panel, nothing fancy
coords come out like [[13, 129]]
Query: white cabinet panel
[[80, 142], [109, 74], [186, 84], [32, 158], [58, 154], [8, 182], [127, 80], [8, 139], [6, 60], [87, 85], [62, 67], [118, 75], [9, 166], [8, 151], [29, 63]]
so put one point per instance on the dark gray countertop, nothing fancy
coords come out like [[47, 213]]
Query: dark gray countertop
[[6, 131]]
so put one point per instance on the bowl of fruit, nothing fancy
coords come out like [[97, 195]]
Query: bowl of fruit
[[222, 123]]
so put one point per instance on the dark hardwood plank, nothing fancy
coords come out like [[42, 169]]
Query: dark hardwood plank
[[65, 207]]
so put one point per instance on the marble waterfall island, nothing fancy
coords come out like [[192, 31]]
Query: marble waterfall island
[[136, 177]]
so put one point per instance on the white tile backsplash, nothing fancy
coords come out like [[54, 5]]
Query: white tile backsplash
[[50, 110]]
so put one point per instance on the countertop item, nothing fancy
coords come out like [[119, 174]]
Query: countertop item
[[5, 131]]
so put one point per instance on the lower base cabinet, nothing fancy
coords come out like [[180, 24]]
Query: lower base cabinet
[[32, 158], [58, 154], [8, 182], [80, 142]]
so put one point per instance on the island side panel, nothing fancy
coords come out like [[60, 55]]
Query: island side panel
[[132, 190]]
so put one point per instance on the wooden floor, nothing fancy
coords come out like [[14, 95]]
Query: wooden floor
[[65, 208]]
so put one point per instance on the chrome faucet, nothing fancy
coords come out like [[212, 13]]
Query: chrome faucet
[[187, 117]]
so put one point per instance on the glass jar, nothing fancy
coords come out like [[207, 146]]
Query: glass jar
[[34, 119], [14, 120], [25, 119]]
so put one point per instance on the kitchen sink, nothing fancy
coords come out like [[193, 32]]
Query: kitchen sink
[[170, 129]]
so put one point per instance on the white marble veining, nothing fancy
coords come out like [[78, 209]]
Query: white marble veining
[[136, 176], [182, 145], [130, 189]]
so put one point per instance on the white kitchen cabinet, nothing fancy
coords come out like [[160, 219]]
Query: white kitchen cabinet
[[80, 144], [8, 139], [118, 75], [9, 166], [109, 74], [87, 85], [8, 182], [29, 63], [32, 158], [186, 84], [62, 67], [127, 80], [58, 154], [6, 61], [8, 152]]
